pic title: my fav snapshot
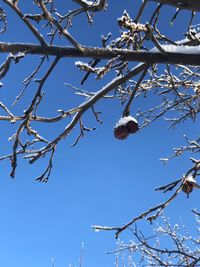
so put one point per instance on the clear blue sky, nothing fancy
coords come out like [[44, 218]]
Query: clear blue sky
[[100, 181]]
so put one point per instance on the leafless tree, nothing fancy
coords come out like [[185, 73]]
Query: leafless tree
[[142, 60], [169, 245]]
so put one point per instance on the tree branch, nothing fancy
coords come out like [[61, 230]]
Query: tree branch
[[35, 32], [193, 5], [103, 53]]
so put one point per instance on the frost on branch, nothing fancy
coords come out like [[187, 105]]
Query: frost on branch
[[168, 245], [142, 61]]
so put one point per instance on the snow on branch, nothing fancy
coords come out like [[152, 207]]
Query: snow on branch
[[141, 62]]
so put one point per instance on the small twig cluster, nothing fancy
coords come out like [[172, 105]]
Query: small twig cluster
[[175, 86], [169, 245]]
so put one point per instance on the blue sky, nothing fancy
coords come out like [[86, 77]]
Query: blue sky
[[100, 181]]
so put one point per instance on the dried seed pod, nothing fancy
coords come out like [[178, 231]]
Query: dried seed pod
[[187, 187], [121, 132], [132, 126]]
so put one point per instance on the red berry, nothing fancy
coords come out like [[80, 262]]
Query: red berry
[[121, 132], [132, 126]]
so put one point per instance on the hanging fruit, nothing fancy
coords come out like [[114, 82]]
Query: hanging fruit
[[187, 187], [121, 132], [189, 184], [125, 126], [132, 126]]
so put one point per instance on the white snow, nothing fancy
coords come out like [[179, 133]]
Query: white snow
[[184, 49], [197, 36], [81, 63], [124, 120], [191, 179]]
